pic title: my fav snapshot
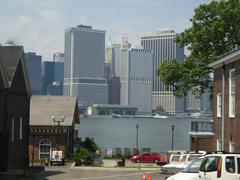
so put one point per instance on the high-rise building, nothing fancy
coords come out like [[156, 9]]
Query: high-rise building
[[84, 65], [52, 78], [34, 63], [136, 79], [164, 48], [58, 57]]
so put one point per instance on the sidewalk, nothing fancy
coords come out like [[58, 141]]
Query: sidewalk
[[111, 165]]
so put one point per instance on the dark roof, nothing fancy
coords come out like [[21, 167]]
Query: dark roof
[[11, 56], [43, 108]]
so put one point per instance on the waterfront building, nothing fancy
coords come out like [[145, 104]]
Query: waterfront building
[[164, 48], [114, 90], [84, 65], [136, 79], [14, 109], [34, 63], [52, 126], [52, 78], [226, 102], [107, 109], [58, 57]]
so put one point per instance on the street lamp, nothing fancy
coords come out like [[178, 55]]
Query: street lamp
[[173, 126], [137, 126], [57, 123]]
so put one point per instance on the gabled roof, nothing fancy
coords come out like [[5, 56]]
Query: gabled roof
[[2, 70], [43, 108], [11, 57], [233, 56]]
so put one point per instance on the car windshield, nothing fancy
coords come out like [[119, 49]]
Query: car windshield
[[194, 166]]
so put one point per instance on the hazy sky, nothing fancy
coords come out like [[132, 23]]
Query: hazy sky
[[39, 25]]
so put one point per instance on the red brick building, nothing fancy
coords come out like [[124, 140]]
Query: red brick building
[[227, 102], [14, 109], [52, 123]]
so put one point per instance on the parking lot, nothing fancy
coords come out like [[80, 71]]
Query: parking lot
[[63, 173]]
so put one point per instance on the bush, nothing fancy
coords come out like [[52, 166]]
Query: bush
[[83, 157], [127, 153], [90, 144]]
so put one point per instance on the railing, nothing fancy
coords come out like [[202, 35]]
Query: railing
[[199, 126]]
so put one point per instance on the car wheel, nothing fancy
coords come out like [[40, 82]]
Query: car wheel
[[138, 161]]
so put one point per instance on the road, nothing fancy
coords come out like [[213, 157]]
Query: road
[[65, 173]]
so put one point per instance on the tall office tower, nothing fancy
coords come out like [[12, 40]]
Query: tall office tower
[[84, 65], [58, 57], [34, 63], [164, 48], [52, 78], [136, 79]]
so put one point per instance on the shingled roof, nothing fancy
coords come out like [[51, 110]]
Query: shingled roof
[[43, 108]]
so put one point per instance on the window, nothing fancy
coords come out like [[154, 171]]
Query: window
[[13, 120], [238, 165], [232, 93], [219, 105], [219, 145], [210, 164], [230, 164], [231, 147], [20, 128], [44, 149]]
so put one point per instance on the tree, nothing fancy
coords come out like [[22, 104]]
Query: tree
[[215, 31]]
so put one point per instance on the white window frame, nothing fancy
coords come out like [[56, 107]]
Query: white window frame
[[20, 127], [219, 104], [13, 124], [231, 147], [232, 92], [219, 145]]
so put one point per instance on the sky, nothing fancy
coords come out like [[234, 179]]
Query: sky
[[39, 25]]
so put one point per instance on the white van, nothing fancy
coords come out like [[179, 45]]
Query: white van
[[220, 166]]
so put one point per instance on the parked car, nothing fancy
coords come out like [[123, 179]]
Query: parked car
[[190, 172], [147, 157], [178, 162], [220, 166]]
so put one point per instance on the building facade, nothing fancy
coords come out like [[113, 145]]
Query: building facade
[[136, 79], [164, 48], [52, 125], [34, 63], [84, 65], [14, 109], [58, 57], [227, 102], [52, 78]]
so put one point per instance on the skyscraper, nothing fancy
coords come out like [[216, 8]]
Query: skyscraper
[[164, 48], [52, 78], [34, 63], [84, 65], [136, 79], [58, 57]]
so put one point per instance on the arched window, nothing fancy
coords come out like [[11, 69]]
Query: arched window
[[44, 149]]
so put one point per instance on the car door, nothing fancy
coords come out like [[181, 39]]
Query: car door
[[146, 157], [229, 172], [238, 169], [208, 168]]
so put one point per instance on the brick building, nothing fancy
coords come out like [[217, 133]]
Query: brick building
[[14, 109], [52, 120], [227, 102]]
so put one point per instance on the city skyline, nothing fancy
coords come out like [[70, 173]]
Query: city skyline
[[27, 22]]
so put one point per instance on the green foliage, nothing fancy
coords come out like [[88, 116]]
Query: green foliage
[[215, 31], [127, 153], [83, 157], [90, 144]]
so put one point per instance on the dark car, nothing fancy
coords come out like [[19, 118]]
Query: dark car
[[147, 157]]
